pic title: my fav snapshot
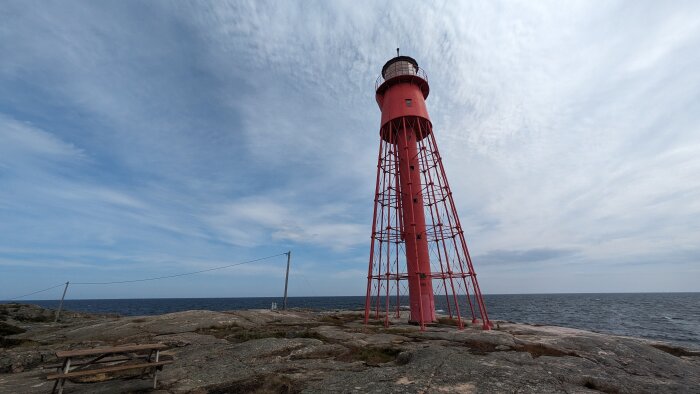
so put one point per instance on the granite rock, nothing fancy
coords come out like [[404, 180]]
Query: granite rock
[[313, 352]]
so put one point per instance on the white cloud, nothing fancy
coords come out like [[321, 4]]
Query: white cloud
[[261, 220], [564, 126], [22, 141]]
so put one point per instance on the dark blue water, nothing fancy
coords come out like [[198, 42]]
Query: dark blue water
[[673, 317]]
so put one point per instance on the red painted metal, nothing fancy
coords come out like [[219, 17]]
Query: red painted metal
[[418, 247], [420, 286]]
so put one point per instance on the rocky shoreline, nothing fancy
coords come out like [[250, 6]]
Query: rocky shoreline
[[313, 352]]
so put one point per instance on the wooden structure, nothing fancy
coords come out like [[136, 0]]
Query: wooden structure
[[105, 360]]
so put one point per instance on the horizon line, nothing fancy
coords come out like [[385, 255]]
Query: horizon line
[[334, 296]]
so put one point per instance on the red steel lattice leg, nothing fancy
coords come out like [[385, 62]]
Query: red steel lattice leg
[[391, 262]]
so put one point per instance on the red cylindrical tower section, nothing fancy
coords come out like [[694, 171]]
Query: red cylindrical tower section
[[420, 284], [402, 90], [401, 98]]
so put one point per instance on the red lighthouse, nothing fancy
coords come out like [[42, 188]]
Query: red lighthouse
[[416, 233]]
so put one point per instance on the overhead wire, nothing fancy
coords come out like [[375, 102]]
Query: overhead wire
[[178, 275], [310, 288], [37, 292]]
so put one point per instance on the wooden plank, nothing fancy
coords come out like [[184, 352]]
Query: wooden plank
[[103, 360], [111, 349], [115, 368]]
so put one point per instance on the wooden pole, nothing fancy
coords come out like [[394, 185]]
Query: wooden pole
[[60, 306], [286, 280]]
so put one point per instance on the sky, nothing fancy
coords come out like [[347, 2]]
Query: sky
[[142, 139]]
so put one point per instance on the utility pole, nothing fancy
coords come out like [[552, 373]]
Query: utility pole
[[286, 280], [60, 306]]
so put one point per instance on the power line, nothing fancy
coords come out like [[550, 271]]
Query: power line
[[37, 292], [313, 293], [176, 275]]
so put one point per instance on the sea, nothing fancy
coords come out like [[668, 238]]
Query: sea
[[671, 317]]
